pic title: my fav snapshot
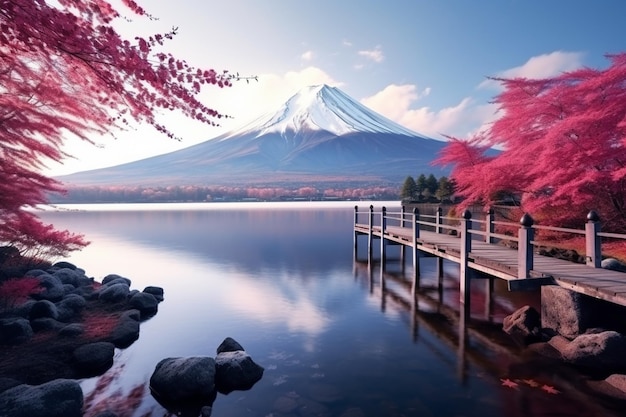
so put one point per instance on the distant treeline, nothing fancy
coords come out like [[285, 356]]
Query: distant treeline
[[138, 194], [425, 189]]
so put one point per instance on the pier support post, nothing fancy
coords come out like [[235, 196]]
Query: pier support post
[[438, 220], [525, 247], [416, 259], [370, 243], [466, 247], [383, 241], [356, 235], [489, 226], [592, 240], [402, 247]]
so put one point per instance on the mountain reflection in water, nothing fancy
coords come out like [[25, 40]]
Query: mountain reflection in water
[[337, 337]]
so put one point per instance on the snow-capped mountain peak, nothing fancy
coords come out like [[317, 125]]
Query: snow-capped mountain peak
[[325, 108]]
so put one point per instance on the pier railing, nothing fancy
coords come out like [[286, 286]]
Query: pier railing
[[468, 229]]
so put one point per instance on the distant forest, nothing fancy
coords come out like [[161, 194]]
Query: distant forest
[[138, 194]]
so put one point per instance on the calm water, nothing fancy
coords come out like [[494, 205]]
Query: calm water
[[336, 336]]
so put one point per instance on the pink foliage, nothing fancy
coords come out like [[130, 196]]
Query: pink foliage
[[64, 70], [17, 290], [563, 142]]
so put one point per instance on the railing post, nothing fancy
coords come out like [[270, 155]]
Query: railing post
[[592, 240], [370, 243], [402, 216], [489, 226], [525, 255], [466, 247], [383, 227], [438, 220]]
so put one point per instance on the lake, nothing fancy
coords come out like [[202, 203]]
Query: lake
[[336, 336]]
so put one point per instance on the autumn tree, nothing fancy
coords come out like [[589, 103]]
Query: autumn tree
[[563, 142], [64, 70]]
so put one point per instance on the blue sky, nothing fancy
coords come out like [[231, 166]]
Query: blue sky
[[421, 63]]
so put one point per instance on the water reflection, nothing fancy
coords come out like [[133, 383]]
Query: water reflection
[[337, 336]]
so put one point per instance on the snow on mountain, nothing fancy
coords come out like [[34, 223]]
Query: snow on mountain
[[324, 108], [319, 136]]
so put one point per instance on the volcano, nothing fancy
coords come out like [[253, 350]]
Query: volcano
[[319, 136]]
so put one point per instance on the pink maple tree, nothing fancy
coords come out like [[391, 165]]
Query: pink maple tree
[[563, 142], [64, 70]]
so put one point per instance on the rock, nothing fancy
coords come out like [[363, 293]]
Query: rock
[[46, 323], [109, 279], [156, 291], [131, 314], [23, 310], [64, 265], [67, 276], [236, 371], [15, 330], [114, 293], [70, 305], [93, 359], [206, 411], [52, 287], [57, 398], [229, 345], [601, 351], [566, 312], [36, 273], [613, 264], [72, 330], [146, 303], [184, 380], [524, 325], [125, 333], [43, 308]]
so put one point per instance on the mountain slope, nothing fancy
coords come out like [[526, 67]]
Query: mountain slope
[[319, 135]]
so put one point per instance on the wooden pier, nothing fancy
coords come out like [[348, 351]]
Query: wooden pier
[[472, 244]]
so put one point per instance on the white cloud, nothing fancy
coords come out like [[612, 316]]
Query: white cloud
[[461, 120], [375, 54], [346, 43], [307, 56], [541, 66]]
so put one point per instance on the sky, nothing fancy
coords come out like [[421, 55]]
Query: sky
[[423, 64]]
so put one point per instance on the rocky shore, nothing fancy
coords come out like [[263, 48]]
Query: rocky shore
[[57, 326]]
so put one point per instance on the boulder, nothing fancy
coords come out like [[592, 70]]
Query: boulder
[[229, 345], [43, 308], [156, 291], [67, 276], [236, 371], [184, 380], [93, 359], [125, 333], [15, 330], [52, 287], [614, 265], [146, 303], [114, 278], [599, 351], [6, 383], [72, 330], [131, 314], [524, 325], [114, 293], [70, 305], [565, 312], [57, 398], [46, 323], [65, 265]]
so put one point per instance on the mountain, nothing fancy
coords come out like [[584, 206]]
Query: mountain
[[319, 136]]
